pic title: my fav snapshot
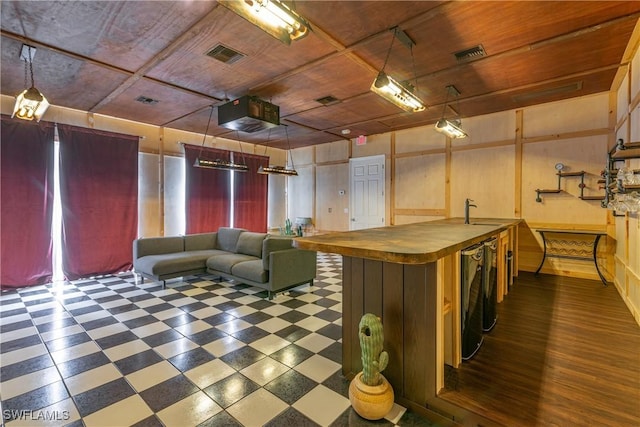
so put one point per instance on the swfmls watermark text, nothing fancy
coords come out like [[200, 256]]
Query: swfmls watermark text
[[37, 415]]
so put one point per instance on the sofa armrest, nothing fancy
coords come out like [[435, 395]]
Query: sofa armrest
[[291, 267], [271, 244], [157, 246]]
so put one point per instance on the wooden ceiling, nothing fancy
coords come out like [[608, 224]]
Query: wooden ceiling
[[99, 56]]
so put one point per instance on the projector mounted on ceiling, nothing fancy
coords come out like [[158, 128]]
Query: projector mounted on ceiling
[[248, 114]]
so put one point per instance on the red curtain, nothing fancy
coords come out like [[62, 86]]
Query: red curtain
[[207, 192], [26, 201], [99, 195], [250, 194]]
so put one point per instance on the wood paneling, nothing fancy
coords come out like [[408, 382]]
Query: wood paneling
[[405, 296], [392, 300]]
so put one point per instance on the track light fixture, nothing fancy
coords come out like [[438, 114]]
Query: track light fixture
[[272, 16], [30, 104], [277, 170], [280, 170], [451, 128], [399, 93], [217, 163]]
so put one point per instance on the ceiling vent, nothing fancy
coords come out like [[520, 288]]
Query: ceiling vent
[[225, 54], [328, 100], [145, 100], [571, 87], [470, 54]]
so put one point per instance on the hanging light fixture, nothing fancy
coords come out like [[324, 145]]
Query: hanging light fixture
[[30, 104], [217, 163], [280, 170], [220, 164], [451, 128], [399, 93], [272, 16]]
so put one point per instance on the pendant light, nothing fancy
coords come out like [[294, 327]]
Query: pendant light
[[280, 170], [399, 93], [271, 16], [451, 128], [216, 163], [30, 104]]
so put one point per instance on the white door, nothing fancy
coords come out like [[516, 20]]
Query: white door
[[367, 192]]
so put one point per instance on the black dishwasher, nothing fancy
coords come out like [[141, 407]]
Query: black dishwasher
[[471, 300], [490, 285]]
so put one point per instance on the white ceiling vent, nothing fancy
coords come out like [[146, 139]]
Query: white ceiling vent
[[225, 54]]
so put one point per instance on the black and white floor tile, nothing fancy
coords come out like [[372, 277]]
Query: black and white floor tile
[[109, 352]]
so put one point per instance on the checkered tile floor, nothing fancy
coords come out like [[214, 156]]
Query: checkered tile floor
[[200, 353]]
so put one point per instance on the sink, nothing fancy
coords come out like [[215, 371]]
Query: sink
[[495, 224]]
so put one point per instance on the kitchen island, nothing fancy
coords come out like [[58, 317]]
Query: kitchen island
[[403, 274]]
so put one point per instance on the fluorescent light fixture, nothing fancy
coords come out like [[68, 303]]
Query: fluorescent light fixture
[[30, 104], [451, 129], [397, 93], [277, 170], [272, 16], [219, 164]]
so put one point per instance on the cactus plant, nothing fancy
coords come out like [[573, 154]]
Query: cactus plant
[[287, 227], [288, 230], [374, 358]]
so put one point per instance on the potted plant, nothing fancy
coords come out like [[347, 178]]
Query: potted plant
[[370, 393]]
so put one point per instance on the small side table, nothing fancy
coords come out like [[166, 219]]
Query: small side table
[[567, 248]]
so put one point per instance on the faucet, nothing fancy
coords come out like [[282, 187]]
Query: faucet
[[467, 205]]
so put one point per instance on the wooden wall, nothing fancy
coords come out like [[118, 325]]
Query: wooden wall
[[626, 122], [507, 156]]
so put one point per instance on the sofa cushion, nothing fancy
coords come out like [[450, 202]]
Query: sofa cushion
[[251, 270], [228, 238], [250, 243], [196, 242], [159, 265], [225, 262]]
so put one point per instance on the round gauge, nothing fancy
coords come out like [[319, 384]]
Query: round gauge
[[559, 166]]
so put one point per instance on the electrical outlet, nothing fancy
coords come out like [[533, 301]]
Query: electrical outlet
[[330, 210]]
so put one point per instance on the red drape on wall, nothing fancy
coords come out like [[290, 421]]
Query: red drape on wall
[[250, 195], [99, 195], [26, 201], [207, 192]]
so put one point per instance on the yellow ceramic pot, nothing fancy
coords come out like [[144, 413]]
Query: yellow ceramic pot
[[371, 402]]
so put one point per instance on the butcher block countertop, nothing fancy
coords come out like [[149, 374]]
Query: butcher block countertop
[[418, 243]]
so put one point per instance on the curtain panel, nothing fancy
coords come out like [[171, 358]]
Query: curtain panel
[[26, 202], [207, 193], [250, 194], [99, 195]]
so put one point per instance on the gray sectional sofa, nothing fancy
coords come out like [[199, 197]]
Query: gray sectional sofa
[[257, 259]]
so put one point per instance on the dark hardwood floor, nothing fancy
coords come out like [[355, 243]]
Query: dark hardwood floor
[[565, 352]]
